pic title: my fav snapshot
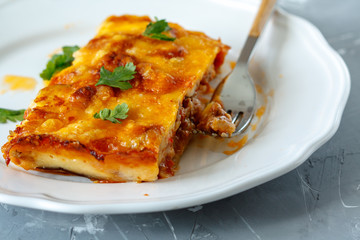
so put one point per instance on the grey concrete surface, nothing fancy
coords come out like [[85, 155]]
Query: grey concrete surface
[[318, 200]]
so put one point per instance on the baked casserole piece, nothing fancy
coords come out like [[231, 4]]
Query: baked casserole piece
[[60, 132]]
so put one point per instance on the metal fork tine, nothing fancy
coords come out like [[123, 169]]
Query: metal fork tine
[[244, 122], [236, 117]]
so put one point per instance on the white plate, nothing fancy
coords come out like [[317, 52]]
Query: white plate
[[310, 84]]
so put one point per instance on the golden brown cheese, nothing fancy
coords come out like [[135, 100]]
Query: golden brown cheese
[[60, 133]]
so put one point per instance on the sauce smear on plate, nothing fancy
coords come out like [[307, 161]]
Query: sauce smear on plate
[[13, 82]]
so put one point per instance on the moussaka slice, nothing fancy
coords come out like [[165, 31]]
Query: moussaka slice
[[88, 123]]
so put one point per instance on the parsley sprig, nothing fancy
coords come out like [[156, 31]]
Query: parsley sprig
[[119, 77], [155, 30], [11, 115], [119, 112], [58, 62]]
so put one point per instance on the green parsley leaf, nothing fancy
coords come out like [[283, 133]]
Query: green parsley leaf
[[155, 30], [11, 115], [59, 62], [119, 77], [119, 112]]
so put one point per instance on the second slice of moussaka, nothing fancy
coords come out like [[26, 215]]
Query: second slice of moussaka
[[60, 132]]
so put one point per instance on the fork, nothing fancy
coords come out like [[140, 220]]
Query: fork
[[238, 84]]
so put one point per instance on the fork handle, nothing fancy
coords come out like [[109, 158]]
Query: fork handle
[[262, 15]]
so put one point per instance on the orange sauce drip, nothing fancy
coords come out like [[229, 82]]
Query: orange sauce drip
[[146, 194], [232, 64], [237, 145], [271, 93], [260, 112], [259, 89], [19, 82]]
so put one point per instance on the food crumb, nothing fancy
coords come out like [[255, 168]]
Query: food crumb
[[146, 194]]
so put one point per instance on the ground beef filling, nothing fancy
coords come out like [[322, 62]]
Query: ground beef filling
[[195, 115], [186, 121]]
